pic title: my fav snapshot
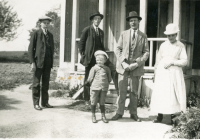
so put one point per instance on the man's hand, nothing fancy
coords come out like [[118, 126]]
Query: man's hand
[[133, 66], [33, 67], [125, 66], [168, 64]]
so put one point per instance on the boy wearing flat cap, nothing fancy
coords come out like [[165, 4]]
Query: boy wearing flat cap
[[91, 40], [99, 79], [41, 50]]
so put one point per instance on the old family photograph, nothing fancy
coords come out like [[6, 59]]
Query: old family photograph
[[119, 69]]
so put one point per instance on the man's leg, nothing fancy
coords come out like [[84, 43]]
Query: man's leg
[[134, 83], [114, 73], [86, 88], [45, 85], [123, 83], [36, 86]]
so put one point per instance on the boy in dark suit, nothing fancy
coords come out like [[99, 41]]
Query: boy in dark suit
[[41, 50]]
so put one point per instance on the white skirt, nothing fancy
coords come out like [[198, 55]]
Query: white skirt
[[169, 93]]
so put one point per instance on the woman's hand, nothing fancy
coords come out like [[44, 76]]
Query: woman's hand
[[168, 64]]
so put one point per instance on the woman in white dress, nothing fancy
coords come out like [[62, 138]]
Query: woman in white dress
[[169, 94]]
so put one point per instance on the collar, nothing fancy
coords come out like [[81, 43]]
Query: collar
[[44, 30], [95, 27], [136, 31]]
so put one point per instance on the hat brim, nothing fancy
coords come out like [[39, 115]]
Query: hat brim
[[92, 16], [45, 19], [127, 19], [171, 33]]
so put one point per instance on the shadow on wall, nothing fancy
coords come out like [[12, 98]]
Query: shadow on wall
[[8, 103]]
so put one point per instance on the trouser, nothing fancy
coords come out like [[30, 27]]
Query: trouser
[[114, 76], [123, 81], [97, 96], [43, 73]]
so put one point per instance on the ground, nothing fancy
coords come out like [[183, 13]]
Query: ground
[[20, 120]]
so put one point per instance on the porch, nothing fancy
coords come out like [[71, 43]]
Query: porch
[[156, 14]]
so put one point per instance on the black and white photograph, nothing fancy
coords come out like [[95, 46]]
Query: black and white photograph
[[100, 69]]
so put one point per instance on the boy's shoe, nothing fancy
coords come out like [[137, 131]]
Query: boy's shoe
[[116, 117], [94, 119]]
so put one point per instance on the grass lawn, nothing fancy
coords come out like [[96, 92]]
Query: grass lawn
[[15, 74], [18, 73]]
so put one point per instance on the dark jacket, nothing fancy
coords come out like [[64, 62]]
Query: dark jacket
[[86, 44], [37, 48]]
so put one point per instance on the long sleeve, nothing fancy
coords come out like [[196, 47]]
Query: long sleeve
[[119, 49], [145, 53], [182, 59], [32, 47], [82, 42], [158, 57]]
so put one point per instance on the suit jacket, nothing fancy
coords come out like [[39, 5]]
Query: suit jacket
[[37, 48], [140, 53], [87, 44]]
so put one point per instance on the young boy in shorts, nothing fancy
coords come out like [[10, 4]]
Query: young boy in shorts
[[99, 79]]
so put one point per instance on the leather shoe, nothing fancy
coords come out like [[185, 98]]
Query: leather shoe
[[135, 117], [94, 119], [116, 117], [157, 121], [47, 106], [104, 119], [37, 107]]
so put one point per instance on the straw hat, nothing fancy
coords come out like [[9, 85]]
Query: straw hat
[[101, 52], [171, 29], [45, 18], [133, 14]]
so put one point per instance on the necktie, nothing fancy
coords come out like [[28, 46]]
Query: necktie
[[133, 35], [97, 32]]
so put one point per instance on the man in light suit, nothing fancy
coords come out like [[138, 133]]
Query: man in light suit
[[132, 51]]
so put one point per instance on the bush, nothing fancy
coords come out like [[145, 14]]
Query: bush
[[188, 126]]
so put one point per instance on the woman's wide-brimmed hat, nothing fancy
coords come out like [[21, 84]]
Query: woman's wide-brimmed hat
[[101, 52], [171, 29], [133, 14], [45, 18], [96, 14]]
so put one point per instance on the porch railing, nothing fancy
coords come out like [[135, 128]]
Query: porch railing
[[153, 42]]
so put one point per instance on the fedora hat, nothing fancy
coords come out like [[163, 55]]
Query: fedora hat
[[45, 18], [171, 29], [101, 52], [96, 14], [133, 14]]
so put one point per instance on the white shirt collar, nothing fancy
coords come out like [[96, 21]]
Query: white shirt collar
[[44, 30], [136, 31], [95, 27]]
